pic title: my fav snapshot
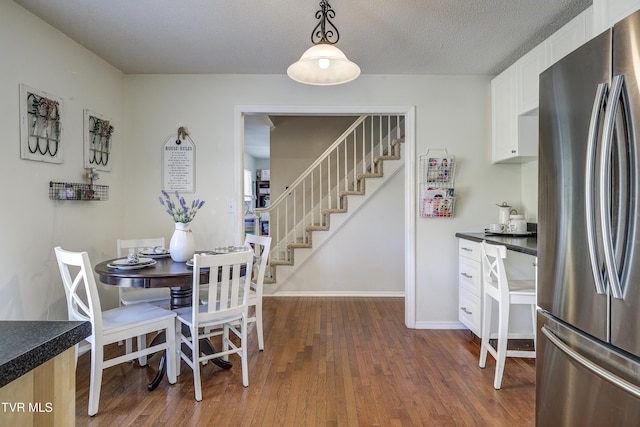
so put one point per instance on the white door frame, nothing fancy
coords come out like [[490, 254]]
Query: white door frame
[[409, 175]]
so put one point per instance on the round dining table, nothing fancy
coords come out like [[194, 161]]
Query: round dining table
[[165, 273]]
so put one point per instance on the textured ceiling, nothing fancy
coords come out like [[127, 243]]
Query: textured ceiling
[[265, 37]]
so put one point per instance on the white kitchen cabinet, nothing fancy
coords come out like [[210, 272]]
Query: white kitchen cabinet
[[571, 36], [469, 285], [514, 92], [528, 69], [607, 12], [503, 123], [510, 143]]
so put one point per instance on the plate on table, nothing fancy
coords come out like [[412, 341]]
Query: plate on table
[[122, 264], [189, 263], [229, 249], [155, 253]]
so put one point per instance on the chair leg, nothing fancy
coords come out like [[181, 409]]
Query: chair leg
[[171, 352], [503, 338], [225, 339], [95, 384], [195, 357], [534, 323], [128, 346], [142, 344], [243, 354], [486, 330], [178, 349], [259, 326]]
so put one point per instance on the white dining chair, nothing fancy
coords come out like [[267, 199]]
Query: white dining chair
[[505, 293], [225, 312], [138, 295], [113, 325], [128, 296], [261, 247]]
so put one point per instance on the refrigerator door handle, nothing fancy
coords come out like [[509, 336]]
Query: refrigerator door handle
[[598, 104], [605, 187], [591, 366]]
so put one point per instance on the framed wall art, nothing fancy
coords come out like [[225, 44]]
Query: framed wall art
[[41, 126], [98, 140]]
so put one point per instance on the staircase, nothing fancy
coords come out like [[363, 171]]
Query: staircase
[[352, 167]]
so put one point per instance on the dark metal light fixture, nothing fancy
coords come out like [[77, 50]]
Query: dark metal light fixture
[[324, 64]]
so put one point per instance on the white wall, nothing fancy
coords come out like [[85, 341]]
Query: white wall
[[530, 191], [297, 141], [365, 257], [451, 112], [35, 54]]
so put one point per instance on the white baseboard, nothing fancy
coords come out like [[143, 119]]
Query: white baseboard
[[363, 294]]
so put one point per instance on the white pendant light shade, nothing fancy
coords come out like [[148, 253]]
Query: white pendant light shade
[[323, 64]]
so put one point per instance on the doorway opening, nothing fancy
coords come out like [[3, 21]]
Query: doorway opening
[[408, 113]]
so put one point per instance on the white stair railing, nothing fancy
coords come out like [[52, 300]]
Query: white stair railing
[[320, 190]]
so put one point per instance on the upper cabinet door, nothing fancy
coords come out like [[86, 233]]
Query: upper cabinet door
[[608, 12], [567, 39], [528, 69], [503, 117]]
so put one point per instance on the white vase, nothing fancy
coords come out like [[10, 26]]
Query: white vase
[[182, 245]]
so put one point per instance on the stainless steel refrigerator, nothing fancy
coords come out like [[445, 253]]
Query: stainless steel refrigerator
[[588, 340]]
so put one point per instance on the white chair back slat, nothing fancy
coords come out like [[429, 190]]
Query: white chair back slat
[[493, 269], [83, 281], [227, 296]]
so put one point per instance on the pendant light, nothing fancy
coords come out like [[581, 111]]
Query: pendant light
[[324, 64]]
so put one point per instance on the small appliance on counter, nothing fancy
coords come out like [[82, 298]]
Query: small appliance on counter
[[510, 223], [504, 213]]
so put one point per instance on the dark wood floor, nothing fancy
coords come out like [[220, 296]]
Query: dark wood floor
[[327, 362]]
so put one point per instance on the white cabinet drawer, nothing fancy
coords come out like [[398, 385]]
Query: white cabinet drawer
[[469, 275], [469, 249], [469, 311]]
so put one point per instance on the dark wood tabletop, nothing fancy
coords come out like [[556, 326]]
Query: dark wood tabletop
[[165, 274]]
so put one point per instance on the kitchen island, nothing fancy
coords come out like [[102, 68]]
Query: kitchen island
[[520, 263], [37, 371]]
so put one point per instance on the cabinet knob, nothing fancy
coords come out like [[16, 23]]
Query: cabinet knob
[[468, 276], [466, 249], [465, 310], [513, 151]]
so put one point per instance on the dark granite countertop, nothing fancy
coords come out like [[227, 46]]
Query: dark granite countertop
[[27, 344], [526, 245]]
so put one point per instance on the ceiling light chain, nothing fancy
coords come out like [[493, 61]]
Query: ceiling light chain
[[320, 33]]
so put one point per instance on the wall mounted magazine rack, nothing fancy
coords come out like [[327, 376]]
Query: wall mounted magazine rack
[[437, 176]]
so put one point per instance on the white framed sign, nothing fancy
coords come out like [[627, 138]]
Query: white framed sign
[[179, 164]]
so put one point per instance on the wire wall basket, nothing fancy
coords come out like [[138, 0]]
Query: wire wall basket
[[437, 176], [77, 191]]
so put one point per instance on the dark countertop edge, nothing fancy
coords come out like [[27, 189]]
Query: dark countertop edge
[[525, 245], [56, 338]]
